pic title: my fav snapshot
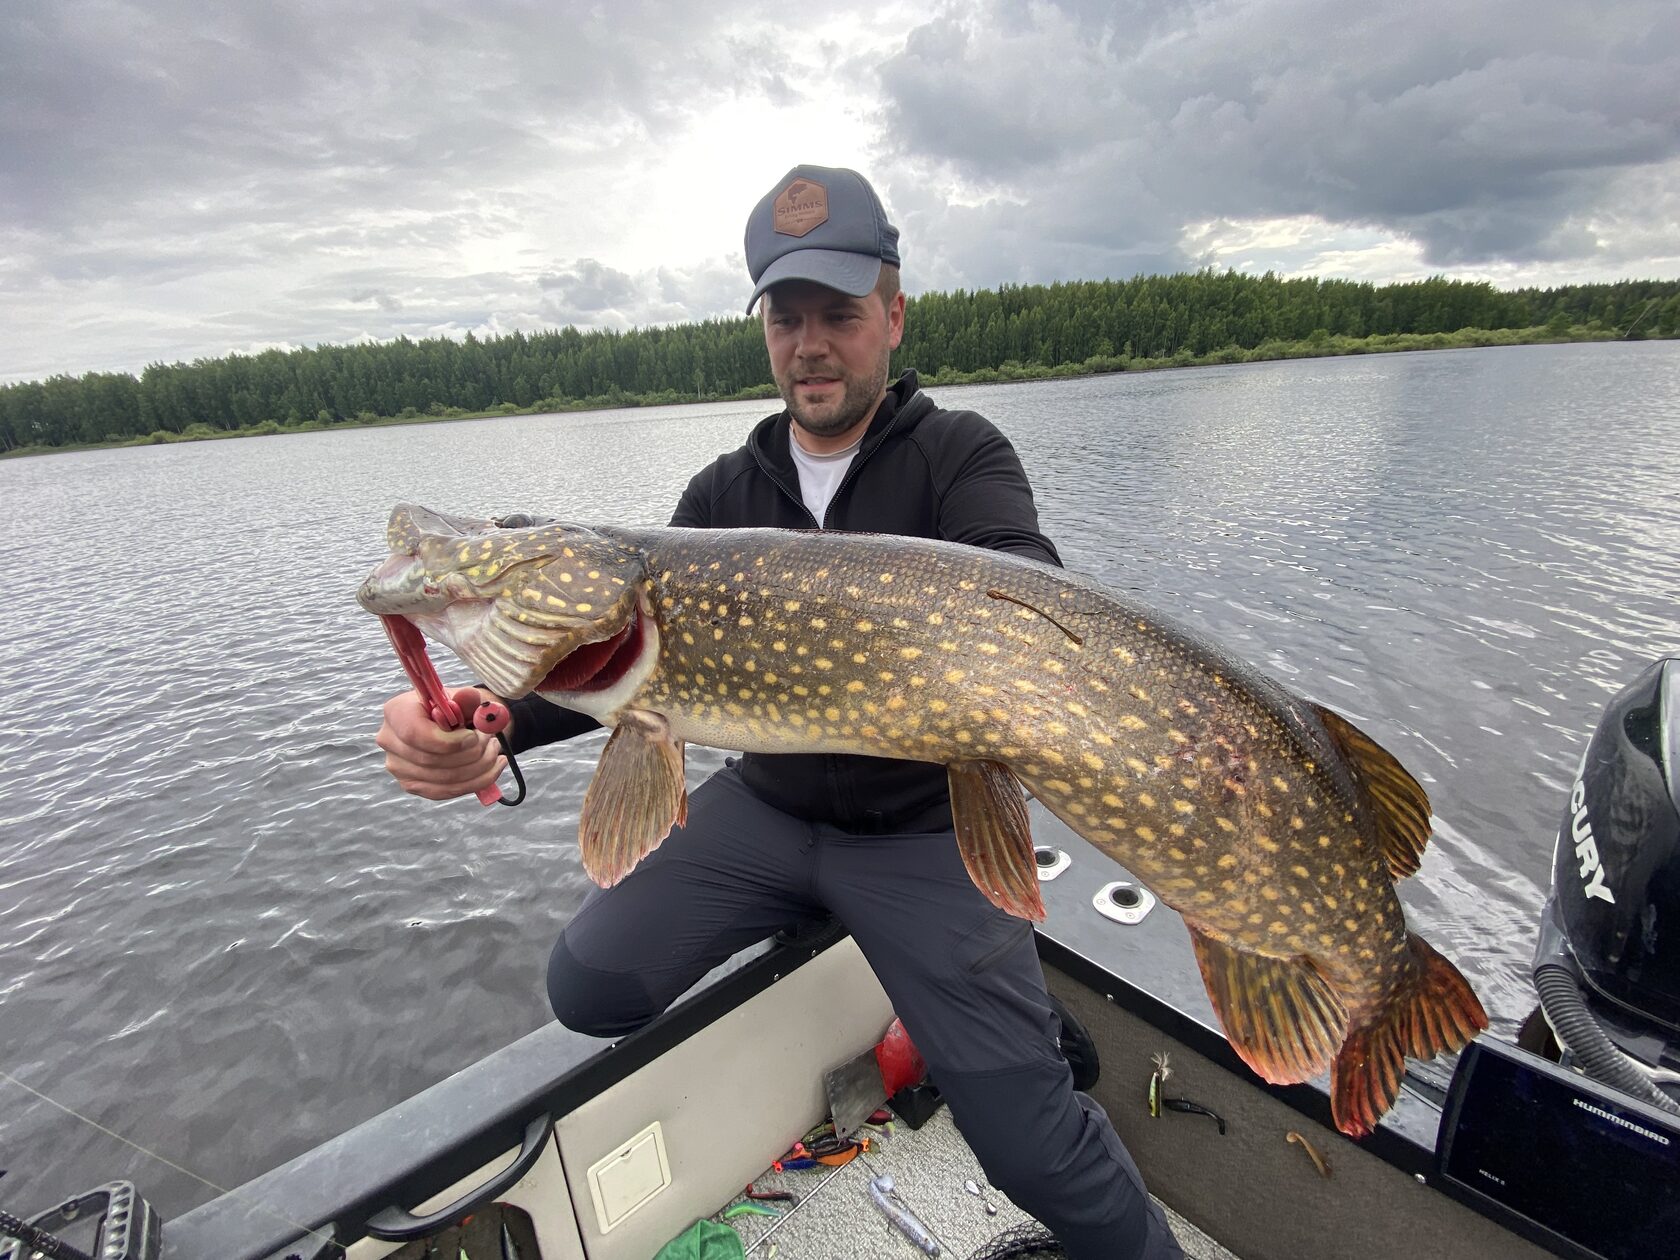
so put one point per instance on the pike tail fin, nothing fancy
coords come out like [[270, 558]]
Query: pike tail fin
[[1432, 1011]]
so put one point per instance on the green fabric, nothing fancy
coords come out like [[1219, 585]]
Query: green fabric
[[704, 1240]]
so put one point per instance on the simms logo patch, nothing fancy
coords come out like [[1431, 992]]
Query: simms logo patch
[[799, 207]]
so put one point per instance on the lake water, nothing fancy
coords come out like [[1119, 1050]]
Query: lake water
[[226, 935]]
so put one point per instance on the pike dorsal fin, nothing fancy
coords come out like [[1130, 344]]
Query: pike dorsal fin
[[1282, 1016], [995, 837], [1398, 802], [637, 795]]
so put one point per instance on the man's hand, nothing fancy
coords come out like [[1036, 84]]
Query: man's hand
[[434, 763]]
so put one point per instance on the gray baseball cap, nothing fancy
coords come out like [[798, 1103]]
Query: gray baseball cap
[[820, 223]]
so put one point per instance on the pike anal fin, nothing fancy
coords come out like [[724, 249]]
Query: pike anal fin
[[995, 837], [1432, 1011], [637, 795], [1281, 1015], [1397, 800]]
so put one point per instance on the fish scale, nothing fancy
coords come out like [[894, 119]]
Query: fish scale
[[1271, 824]]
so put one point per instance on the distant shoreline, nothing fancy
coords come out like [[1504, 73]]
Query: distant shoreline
[[1323, 346]]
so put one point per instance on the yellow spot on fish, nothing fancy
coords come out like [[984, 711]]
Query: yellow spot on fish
[[854, 686], [886, 577], [586, 607], [954, 676], [1145, 833]]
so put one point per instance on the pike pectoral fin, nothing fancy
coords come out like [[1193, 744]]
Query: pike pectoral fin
[[994, 836], [1399, 802], [1281, 1015], [637, 795]]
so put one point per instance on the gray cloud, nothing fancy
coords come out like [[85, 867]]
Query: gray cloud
[[178, 181], [1484, 132]]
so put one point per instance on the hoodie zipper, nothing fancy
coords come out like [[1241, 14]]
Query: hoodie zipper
[[850, 472], [840, 794]]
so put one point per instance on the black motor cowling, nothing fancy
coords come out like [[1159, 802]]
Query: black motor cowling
[[1607, 963]]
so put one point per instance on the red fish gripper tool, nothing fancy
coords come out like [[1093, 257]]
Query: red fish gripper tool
[[491, 718]]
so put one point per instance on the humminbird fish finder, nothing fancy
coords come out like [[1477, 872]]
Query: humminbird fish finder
[[1576, 1167]]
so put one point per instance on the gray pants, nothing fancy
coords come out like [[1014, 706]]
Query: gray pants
[[962, 975]]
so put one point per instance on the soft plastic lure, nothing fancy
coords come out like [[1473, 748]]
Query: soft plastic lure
[[909, 1224]]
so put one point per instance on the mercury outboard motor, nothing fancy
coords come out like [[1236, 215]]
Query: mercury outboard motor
[[1607, 964]]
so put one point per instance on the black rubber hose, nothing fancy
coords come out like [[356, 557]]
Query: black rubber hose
[[38, 1240], [1599, 1057]]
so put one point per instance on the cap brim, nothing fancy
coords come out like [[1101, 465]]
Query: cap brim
[[853, 274]]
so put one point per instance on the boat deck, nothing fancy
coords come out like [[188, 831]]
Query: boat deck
[[834, 1215]]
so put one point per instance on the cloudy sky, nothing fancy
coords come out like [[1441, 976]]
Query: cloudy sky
[[181, 180]]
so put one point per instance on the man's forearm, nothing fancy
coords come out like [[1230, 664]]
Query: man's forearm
[[537, 722]]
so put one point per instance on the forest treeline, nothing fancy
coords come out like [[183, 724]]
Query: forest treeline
[[1018, 330]]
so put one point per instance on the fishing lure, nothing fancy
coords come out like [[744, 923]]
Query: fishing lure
[[881, 1194]]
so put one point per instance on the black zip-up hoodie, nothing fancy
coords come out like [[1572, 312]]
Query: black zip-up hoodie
[[921, 471]]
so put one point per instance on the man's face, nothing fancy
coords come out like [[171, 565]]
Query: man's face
[[829, 352]]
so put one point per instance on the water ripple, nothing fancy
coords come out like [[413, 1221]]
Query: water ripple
[[209, 888]]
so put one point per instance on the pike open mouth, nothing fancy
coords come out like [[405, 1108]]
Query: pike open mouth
[[597, 666]]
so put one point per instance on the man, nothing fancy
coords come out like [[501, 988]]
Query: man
[[779, 841]]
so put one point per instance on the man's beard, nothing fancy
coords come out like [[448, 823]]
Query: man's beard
[[857, 402]]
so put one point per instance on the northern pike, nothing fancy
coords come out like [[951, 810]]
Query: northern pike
[[1271, 824]]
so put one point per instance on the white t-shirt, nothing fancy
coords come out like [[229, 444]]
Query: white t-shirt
[[820, 475]]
